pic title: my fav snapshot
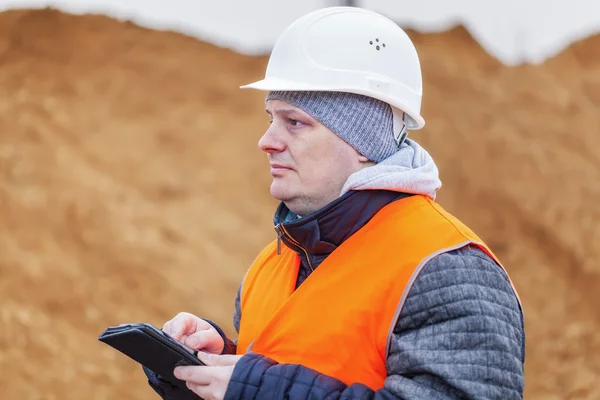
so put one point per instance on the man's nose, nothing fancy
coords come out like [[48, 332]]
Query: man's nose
[[271, 141]]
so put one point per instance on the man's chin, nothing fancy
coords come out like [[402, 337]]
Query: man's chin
[[281, 192]]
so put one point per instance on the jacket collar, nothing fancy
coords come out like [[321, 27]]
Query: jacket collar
[[321, 232]]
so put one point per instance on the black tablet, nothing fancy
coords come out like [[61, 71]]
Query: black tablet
[[151, 347]]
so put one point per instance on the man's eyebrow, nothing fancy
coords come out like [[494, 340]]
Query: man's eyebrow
[[284, 111]]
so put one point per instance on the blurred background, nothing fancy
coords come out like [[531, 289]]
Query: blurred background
[[132, 188]]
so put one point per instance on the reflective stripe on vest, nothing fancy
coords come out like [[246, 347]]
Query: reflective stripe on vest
[[340, 320]]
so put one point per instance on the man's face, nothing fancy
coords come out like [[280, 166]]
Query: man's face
[[309, 163]]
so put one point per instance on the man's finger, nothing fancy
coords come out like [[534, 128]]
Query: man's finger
[[182, 324], [178, 328], [204, 391], [207, 340], [167, 328], [195, 374], [218, 360]]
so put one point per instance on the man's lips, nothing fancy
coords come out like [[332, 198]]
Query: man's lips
[[279, 166], [279, 169]]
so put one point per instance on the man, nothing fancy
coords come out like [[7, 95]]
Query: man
[[371, 290]]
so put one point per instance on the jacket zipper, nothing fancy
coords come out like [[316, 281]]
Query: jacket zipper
[[282, 232]]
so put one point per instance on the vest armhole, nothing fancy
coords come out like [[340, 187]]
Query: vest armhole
[[409, 286], [450, 218], [493, 257]]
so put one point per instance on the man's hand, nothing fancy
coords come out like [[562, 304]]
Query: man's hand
[[210, 381], [195, 333]]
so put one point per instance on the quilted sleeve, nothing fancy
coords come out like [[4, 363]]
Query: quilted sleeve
[[460, 334]]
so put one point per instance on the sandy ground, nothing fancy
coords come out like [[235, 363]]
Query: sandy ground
[[131, 188]]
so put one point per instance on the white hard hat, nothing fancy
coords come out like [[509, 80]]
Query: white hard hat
[[349, 49]]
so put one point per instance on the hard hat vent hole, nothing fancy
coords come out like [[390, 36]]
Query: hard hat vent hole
[[378, 47]]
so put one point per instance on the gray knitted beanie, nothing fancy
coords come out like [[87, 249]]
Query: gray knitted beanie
[[363, 122]]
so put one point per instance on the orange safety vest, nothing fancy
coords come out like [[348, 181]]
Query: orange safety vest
[[339, 322]]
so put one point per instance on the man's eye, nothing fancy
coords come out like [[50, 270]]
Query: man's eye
[[295, 122], [270, 122]]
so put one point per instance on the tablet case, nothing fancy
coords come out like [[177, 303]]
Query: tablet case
[[152, 348]]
